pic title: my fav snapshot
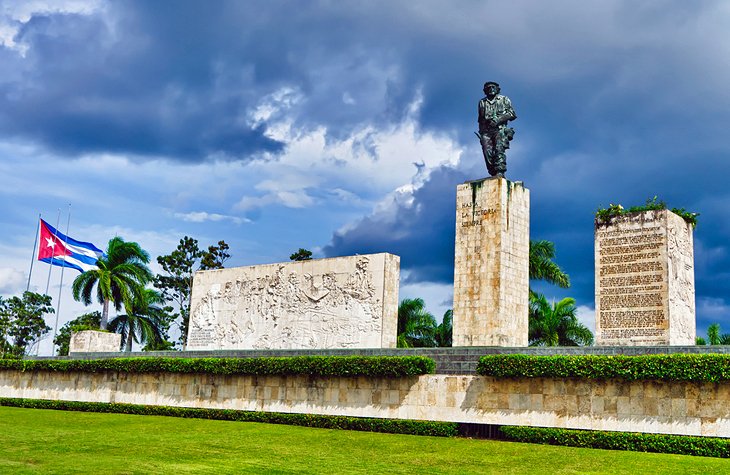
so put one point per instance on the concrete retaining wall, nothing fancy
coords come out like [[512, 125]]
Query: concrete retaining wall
[[644, 406]]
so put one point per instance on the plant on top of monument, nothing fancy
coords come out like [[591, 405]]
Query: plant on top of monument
[[416, 326], [21, 321], [556, 324], [542, 267], [301, 255], [142, 321], [120, 276], [177, 281], [604, 215]]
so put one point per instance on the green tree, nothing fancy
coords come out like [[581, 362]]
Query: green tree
[[120, 276], [556, 324], [542, 267], [416, 326], [87, 321], [714, 337], [176, 283], [142, 321], [713, 334], [445, 330], [301, 255], [21, 321]]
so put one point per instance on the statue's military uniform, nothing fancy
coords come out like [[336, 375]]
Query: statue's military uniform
[[495, 138]]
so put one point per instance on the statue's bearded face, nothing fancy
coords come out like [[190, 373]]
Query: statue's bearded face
[[491, 90]]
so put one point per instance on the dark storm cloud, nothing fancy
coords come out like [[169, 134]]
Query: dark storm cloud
[[612, 108], [616, 103], [422, 234]]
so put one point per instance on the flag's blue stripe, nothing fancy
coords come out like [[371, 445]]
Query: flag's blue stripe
[[90, 261], [71, 241], [61, 263]]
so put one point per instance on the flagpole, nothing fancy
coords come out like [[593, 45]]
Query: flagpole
[[53, 252], [33, 257], [50, 267], [60, 286]]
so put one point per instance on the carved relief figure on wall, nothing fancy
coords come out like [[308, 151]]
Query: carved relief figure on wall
[[271, 309]]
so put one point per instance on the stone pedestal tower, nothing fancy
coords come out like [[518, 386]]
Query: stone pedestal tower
[[491, 268]]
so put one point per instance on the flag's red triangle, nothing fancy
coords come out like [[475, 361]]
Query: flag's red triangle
[[49, 245]]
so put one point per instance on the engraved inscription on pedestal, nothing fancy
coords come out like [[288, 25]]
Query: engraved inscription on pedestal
[[90, 341], [343, 302], [491, 279], [645, 280]]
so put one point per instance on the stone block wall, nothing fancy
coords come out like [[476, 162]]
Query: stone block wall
[[645, 292], [684, 408], [491, 263]]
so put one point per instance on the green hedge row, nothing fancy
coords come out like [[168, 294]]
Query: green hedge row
[[674, 367], [389, 366], [393, 426], [637, 442]]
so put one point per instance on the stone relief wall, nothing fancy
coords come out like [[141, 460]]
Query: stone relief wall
[[90, 341], [344, 302], [644, 280], [680, 251]]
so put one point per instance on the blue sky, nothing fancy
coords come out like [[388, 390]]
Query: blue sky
[[344, 127]]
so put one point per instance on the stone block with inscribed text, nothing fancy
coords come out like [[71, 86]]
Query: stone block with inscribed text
[[645, 291]]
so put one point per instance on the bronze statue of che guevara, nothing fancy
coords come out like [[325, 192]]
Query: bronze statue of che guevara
[[495, 111]]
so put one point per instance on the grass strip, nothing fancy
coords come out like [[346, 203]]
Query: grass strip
[[367, 424]]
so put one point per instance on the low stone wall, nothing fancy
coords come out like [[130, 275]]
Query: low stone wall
[[645, 406]]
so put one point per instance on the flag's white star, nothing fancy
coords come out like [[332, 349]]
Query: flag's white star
[[51, 242]]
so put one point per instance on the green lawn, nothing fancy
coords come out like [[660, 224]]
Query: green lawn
[[45, 441]]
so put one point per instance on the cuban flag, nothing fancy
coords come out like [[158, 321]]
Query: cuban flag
[[60, 250]]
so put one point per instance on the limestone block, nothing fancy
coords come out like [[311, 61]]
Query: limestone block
[[342, 302], [645, 292], [90, 341], [491, 265]]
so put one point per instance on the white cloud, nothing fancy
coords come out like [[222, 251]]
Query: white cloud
[[203, 216], [373, 161], [12, 281], [14, 14], [587, 316]]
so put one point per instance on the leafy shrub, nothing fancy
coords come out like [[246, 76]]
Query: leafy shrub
[[638, 442], [389, 366], [674, 367], [369, 424], [604, 215]]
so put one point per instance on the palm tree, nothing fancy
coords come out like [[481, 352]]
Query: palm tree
[[713, 334], [542, 266], [714, 337], [142, 321], [121, 274], [556, 324], [416, 326], [444, 331]]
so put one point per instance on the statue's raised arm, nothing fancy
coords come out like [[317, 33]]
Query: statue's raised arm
[[495, 111]]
